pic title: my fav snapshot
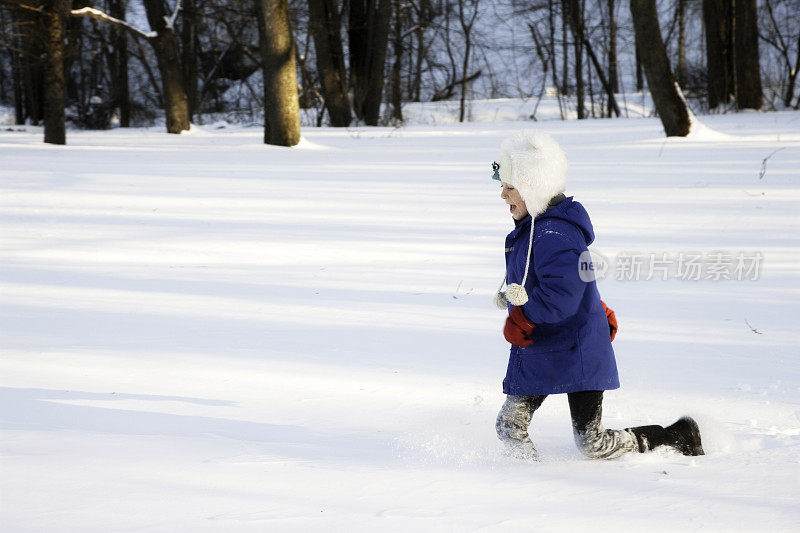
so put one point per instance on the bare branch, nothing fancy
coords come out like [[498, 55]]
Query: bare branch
[[409, 31], [91, 12], [170, 22], [20, 4], [783, 48]]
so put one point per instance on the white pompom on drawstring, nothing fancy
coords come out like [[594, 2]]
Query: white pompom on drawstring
[[516, 294], [500, 301]]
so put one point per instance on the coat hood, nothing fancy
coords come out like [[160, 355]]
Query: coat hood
[[574, 213]]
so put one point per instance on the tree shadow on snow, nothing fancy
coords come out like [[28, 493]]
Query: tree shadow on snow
[[43, 410]]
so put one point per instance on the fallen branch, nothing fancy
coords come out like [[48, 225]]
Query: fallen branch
[[754, 330], [764, 163]]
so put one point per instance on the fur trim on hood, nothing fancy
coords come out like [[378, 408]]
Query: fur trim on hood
[[533, 163]]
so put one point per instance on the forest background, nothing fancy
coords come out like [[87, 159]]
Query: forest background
[[116, 63]]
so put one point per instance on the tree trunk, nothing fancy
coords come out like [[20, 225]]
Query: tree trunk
[[639, 72], [32, 65], [466, 27], [119, 69], [717, 16], [420, 35], [6, 27], [463, 101], [682, 43], [574, 13], [612, 101], [54, 118], [787, 99], [368, 35], [325, 24], [397, 44], [281, 104], [613, 76], [165, 46], [591, 89], [564, 51], [554, 74], [16, 73], [19, 106], [189, 59], [670, 105], [748, 76]]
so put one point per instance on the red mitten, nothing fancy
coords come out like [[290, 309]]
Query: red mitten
[[518, 329], [612, 321]]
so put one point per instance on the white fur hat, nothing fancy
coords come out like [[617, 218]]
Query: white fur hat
[[533, 163]]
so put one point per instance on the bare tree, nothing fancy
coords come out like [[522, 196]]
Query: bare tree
[[17, 68], [368, 37], [681, 16], [551, 26], [776, 37], [325, 25], [467, 20], [639, 71], [53, 14], [717, 17], [666, 96], [397, 65], [425, 15], [564, 51], [119, 65], [47, 25], [613, 76], [189, 57], [573, 16], [165, 45], [29, 41], [748, 75], [732, 53], [281, 105], [576, 23]]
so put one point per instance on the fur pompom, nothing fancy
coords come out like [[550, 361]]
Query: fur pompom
[[500, 301], [516, 294]]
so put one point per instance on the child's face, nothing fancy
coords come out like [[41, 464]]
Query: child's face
[[513, 198]]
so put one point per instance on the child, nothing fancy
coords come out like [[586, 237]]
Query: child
[[559, 329]]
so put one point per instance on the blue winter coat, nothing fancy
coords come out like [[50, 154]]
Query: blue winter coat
[[572, 350]]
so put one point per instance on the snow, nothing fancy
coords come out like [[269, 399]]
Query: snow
[[204, 333]]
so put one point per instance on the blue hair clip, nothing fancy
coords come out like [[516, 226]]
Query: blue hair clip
[[496, 168]]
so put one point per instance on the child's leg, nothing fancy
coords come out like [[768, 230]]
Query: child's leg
[[592, 438], [513, 421], [597, 442]]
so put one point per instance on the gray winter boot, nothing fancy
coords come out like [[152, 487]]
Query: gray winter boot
[[522, 451]]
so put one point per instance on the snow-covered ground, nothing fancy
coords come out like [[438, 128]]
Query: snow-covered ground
[[200, 332]]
